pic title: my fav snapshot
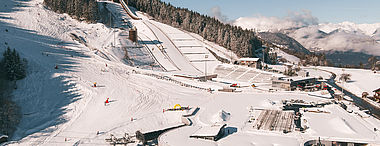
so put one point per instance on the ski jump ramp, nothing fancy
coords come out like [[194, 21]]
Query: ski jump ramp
[[129, 12]]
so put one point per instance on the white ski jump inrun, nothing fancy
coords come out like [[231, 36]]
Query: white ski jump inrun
[[129, 12]]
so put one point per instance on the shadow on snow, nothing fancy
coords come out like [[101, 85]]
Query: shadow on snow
[[45, 93]]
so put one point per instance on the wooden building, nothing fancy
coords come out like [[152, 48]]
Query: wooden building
[[250, 62]]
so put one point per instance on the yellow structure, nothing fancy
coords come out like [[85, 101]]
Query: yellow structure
[[177, 105]]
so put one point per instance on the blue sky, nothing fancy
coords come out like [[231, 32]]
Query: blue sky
[[334, 11]]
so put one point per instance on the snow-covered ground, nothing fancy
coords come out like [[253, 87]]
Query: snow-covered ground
[[60, 106], [281, 54], [361, 80]]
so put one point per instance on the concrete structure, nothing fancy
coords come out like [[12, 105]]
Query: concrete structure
[[332, 143], [291, 83], [213, 132], [133, 34], [250, 62]]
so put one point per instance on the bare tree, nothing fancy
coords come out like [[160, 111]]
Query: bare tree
[[345, 77], [372, 61]]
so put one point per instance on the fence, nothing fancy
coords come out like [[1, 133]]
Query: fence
[[167, 78]]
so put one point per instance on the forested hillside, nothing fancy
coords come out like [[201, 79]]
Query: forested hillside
[[86, 10], [291, 46], [242, 42]]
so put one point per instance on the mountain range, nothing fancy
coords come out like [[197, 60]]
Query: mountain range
[[343, 43]]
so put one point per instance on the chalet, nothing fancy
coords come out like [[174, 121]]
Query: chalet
[[213, 132], [250, 62], [292, 83], [377, 94]]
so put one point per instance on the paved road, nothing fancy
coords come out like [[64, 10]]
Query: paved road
[[357, 100]]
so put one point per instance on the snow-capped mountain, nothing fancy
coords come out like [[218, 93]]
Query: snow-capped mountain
[[340, 39], [360, 39], [376, 35], [367, 29]]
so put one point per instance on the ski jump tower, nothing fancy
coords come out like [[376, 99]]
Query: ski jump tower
[[133, 34]]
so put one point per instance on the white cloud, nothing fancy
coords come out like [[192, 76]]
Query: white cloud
[[292, 20], [312, 37], [217, 13], [350, 37]]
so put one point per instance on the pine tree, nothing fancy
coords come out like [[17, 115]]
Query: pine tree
[[80, 9], [15, 68]]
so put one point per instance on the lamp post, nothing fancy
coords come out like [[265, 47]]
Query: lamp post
[[343, 82], [231, 56], [206, 56], [263, 58]]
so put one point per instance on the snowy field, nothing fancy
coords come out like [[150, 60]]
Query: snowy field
[[281, 54], [60, 106], [361, 80]]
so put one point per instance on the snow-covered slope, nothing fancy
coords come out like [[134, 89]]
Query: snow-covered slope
[[376, 35], [367, 29], [60, 106], [60, 103]]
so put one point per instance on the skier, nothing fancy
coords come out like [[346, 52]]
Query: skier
[[95, 84], [105, 103]]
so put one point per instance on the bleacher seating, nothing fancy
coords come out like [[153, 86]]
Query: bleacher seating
[[240, 74]]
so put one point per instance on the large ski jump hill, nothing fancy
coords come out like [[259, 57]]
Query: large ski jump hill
[[61, 106]]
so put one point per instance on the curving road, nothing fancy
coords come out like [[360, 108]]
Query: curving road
[[357, 100]]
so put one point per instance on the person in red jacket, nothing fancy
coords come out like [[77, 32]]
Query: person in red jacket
[[105, 103]]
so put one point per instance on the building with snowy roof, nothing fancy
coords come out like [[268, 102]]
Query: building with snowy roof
[[213, 132], [291, 83]]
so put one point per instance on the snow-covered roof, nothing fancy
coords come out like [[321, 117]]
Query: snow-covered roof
[[3, 136], [212, 130], [249, 59], [298, 78]]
